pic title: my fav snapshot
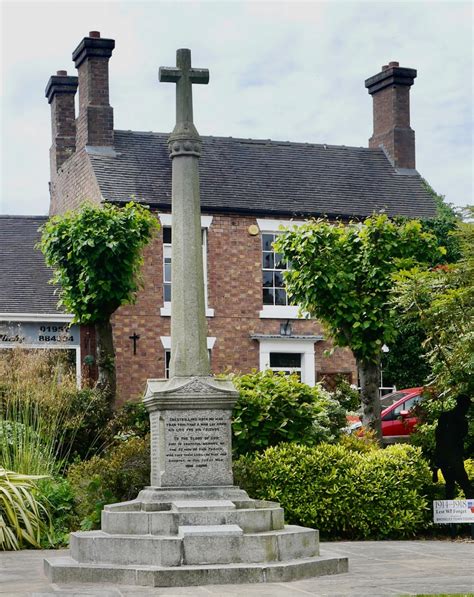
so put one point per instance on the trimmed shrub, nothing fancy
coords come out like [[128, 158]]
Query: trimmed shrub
[[341, 491], [114, 477], [365, 442], [274, 408], [130, 420]]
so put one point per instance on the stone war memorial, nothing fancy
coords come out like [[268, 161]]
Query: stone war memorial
[[191, 526]]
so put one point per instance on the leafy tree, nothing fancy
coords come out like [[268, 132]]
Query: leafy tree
[[342, 274], [96, 255], [444, 227], [405, 365], [442, 301]]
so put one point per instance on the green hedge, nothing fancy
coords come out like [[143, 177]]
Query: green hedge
[[274, 408], [343, 492]]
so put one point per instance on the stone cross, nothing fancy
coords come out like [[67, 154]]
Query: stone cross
[[184, 76], [189, 355], [190, 413]]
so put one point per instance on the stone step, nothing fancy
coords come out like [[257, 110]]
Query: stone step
[[250, 520], [209, 545], [140, 523], [66, 570], [290, 543], [135, 522], [202, 505], [201, 530], [97, 546]]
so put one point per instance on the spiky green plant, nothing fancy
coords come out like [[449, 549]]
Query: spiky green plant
[[29, 441], [23, 519]]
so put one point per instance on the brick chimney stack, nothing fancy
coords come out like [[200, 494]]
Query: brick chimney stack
[[95, 123], [390, 90], [60, 92]]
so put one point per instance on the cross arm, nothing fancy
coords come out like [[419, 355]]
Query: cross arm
[[199, 75], [169, 74]]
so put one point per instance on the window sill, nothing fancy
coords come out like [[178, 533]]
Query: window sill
[[279, 312], [166, 311]]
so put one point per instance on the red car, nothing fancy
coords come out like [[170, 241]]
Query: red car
[[398, 419]]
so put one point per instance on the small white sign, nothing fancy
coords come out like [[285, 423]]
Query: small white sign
[[448, 511]]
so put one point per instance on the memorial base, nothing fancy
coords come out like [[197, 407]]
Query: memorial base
[[179, 538], [192, 526]]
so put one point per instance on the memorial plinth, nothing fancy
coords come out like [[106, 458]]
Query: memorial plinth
[[191, 526], [190, 431]]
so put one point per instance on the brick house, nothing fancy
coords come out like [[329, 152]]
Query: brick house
[[248, 188]]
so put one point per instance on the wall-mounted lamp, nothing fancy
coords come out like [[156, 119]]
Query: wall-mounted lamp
[[285, 328]]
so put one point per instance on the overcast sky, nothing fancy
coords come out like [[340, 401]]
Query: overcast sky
[[281, 70]]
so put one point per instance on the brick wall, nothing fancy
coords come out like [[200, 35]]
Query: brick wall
[[74, 183], [144, 319], [235, 294]]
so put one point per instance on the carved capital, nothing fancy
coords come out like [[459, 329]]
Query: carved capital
[[179, 145]]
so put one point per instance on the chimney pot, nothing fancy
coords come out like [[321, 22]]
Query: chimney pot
[[94, 33], [393, 63], [61, 73]]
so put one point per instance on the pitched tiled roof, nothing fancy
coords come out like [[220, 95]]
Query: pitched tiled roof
[[24, 276], [265, 177]]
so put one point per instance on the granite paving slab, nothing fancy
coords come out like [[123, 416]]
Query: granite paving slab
[[376, 569]]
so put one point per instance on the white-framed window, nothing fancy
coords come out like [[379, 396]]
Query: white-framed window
[[166, 343], [274, 297], [167, 265], [167, 240], [273, 266], [289, 354]]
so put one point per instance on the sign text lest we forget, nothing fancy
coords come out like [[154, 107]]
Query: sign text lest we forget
[[453, 511]]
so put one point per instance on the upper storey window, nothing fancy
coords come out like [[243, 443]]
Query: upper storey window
[[167, 245], [167, 265], [275, 304], [273, 266]]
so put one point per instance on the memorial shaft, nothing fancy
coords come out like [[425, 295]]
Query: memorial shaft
[[189, 356]]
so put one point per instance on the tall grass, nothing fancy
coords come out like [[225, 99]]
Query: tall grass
[[34, 408], [45, 421]]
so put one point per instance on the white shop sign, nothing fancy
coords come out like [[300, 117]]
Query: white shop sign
[[453, 511], [38, 334]]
